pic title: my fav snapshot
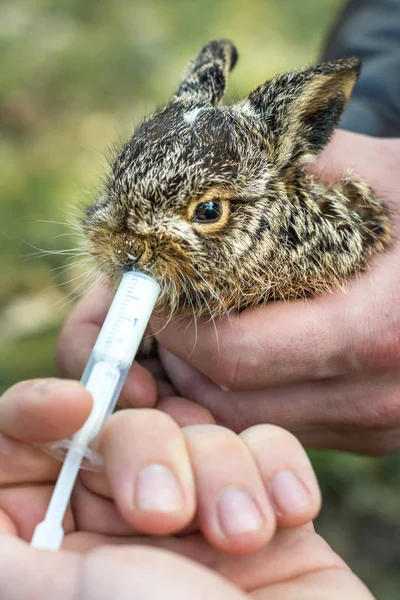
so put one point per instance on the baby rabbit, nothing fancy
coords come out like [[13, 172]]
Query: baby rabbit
[[212, 200]]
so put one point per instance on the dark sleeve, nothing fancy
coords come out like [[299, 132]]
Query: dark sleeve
[[370, 29]]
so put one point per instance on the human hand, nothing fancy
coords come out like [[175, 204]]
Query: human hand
[[158, 477], [290, 562], [326, 368], [297, 564], [296, 561]]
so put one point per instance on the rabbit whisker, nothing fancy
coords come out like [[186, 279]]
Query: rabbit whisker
[[213, 292], [91, 275], [187, 295]]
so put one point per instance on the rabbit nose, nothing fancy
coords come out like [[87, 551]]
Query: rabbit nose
[[133, 258], [133, 251], [128, 258]]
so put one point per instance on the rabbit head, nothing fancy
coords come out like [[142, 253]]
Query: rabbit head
[[211, 200]]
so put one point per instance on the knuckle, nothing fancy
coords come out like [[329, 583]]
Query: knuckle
[[145, 419], [272, 436], [383, 353], [380, 346], [209, 433]]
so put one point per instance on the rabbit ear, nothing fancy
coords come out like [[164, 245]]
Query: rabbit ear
[[299, 110], [206, 77]]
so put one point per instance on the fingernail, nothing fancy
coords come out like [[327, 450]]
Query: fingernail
[[288, 492], [158, 490], [237, 512]]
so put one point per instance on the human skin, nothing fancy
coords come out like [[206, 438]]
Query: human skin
[[157, 477], [104, 554], [325, 368]]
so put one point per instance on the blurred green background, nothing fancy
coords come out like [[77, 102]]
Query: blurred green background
[[75, 77]]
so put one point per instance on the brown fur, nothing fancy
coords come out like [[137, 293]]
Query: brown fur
[[282, 234]]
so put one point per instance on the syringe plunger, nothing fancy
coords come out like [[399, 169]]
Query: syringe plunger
[[104, 376]]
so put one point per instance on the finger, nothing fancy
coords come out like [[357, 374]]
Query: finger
[[286, 473], [37, 411], [79, 336], [7, 526], [155, 367], [96, 511], [44, 410], [357, 152], [140, 389], [234, 512], [27, 573], [296, 564], [185, 412], [81, 330], [182, 411], [26, 506], [149, 471], [269, 345], [21, 462], [334, 413], [108, 572]]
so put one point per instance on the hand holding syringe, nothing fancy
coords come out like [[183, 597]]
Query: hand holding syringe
[[104, 377]]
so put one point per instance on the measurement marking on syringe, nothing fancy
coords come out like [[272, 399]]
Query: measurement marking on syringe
[[128, 302], [139, 276], [119, 323]]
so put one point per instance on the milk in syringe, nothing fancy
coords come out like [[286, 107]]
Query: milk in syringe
[[104, 376]]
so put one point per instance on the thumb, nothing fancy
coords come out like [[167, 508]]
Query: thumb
[[109, 572]]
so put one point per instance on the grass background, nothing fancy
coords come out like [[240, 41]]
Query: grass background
[[75, 77]]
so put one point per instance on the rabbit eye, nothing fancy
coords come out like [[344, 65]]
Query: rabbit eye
[[208, 212]]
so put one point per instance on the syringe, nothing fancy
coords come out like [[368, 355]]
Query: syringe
[[104, 376]]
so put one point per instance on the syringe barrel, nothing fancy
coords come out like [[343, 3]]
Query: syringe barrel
[[127, 318], [111, 359]]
